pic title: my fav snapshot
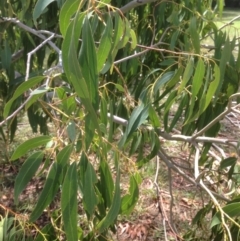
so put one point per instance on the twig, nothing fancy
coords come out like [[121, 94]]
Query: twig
[[166, 159], [135, 3], [159, 198], [30, 30], [197, 175], [16, 111], [33, 51]]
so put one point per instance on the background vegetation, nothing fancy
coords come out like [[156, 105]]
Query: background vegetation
[[114, 90]]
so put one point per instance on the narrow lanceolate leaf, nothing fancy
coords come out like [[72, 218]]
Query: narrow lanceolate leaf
[[6, 56], [232, 210], [196, 85], [129, 200], [30, 144], [105, 44], [106, 184], [225, 57], [88, 62], [72, 67], [89, 195], [194, 35], [25, 86], [114, 209], [230, 161], [67, 11], [40, 7], [163, 79], [69, 203], [211, 90], [187, 74], [138, 116], [26, 172], [49, 191]]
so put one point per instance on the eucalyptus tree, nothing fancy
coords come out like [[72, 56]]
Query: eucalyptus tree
[[113, 76]]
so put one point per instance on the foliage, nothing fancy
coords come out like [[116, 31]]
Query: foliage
[[80, 65]]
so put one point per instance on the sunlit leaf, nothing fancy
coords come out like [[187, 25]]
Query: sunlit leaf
[[105, 44], [30, 144], [67, 11], [187, 74], [88, 63], [232, 210]]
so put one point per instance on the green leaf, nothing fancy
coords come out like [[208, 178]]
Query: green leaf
[[168, 104], [40, 90], [40, 7], [205, 101], [114, 209], [136, 140], [64, 155], [6, 56], [73, 70], [184, 102], [227, 162], [72, 131], [133, 39], [49, 191], [67, 11], [155, 120], [187, 74], [88, 63], [89, 195], [47, 232], [69, 203], [89, 129], [194, 35], [129, 200], [25, 86], [27, 171], [106, 184], [163, 79], [196, 85], [232, 210], [225, 57], [105, 44], [139, 115], [30, 144]]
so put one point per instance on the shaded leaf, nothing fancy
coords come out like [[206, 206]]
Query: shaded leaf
[[228, 162], [49, 191], [27, 171], [40, 7], [129, 200], [25, 86], [69, 203], [114, 209]]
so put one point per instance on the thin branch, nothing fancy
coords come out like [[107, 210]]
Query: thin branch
[[133, 4], [167, 161], [33, 51], [16, 111], [30, 30]]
